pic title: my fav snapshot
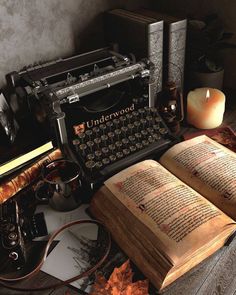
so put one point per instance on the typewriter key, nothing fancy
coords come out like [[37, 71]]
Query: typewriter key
[[131, 128], [163, 130], [97, 141], [98, 154], [83, 148], [126, 152], [144, 133], [135, 115], [137, 125], [139, 145], [150, 130], [118, 144], [145, 142], [112, 147], [81, 137], [156, 127], [132, 139], [124, 130], [117, 133], [111, 136], [116, 122], [154, 111], [104, 139], [157, 119], [76, 144], [138, 136], [133, 148], [119, 155], [98, 165], [89, 134], [90, 165], [105, 151], [141, 112], [90, 157], [143, 122], [147, 110], [156, 136], [105, 161], [150, 139], [125, 141], [109, 125], [103, 127], [96, 130], [90, 144], [112, 158], [149, 120], [129, 118], [122, 120]]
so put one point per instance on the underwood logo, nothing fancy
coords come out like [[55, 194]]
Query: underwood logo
[[92, 123]]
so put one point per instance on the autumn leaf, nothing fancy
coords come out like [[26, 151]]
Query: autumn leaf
[[120, 283]]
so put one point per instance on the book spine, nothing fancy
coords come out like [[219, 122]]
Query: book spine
[[12, 186], [176, 52], [155, 55]]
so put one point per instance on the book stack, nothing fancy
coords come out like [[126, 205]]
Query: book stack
[[159, 37]]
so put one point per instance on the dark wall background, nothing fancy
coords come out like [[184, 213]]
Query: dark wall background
[[225, 9], [43, 30]]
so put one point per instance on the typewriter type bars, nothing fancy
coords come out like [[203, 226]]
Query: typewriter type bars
[[110, 147]]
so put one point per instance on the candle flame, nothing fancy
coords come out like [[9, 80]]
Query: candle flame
[[207, 94]]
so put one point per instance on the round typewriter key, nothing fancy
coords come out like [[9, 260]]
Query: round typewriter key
[[96, 130], [97, 141], [139, 146], [150, 139], [154, 111], [137, 125], [116, 122], [117, 133], [132, 138], [126, 152], [122, 120], [81, 137], [98, 164], [135, 115], [83, 148], [129, 118], [133, 148], [105, 161], [89, 134], [124, 130], [111, 136], [156, 136], [156, 127], [143, 122], [112, 147], [147, 110], [145, 142], [144, 133], [163, 130], [138, 136], [98, 154], [103, 127], [141, 112], [112, 158], [149, 120], [105, 151], [90, 144], [104, 139], [90, 165], [76, 144], [131, 128], [150, 130], [125, 141], [109, 125], [118, 144], [90, 157], [119, 155]]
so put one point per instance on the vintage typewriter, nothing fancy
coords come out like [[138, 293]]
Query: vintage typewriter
[[101, 105]]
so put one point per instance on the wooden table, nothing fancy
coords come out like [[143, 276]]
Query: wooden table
[[215, 275]]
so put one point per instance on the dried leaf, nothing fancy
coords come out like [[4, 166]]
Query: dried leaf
[[120, 283]]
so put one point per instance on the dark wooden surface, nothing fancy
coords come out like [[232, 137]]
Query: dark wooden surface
[[215, 275]]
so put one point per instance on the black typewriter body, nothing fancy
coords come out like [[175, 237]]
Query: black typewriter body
[[101, 105]]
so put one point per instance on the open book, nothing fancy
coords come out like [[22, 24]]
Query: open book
[[171, 215]]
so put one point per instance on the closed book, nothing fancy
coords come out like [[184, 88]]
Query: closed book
[[140, 35], [175, 30]]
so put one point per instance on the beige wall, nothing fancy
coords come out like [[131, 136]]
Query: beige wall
[[226, 9]]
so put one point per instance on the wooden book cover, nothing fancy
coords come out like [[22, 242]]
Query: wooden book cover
[[168, 224]]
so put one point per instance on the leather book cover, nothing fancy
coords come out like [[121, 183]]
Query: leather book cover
[[140, 35], [175, 30]]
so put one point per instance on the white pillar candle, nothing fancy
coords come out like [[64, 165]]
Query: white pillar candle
[[205, 108]]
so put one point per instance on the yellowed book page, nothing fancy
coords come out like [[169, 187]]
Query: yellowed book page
[[180, 218], [208, 167]]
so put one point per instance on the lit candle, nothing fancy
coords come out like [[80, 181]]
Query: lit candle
[[205, 108]]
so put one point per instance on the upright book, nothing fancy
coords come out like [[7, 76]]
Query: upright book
[[175, 30], [170, 216], [140, 35]]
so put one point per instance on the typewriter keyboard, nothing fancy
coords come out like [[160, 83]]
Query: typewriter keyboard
[[110, 147]]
